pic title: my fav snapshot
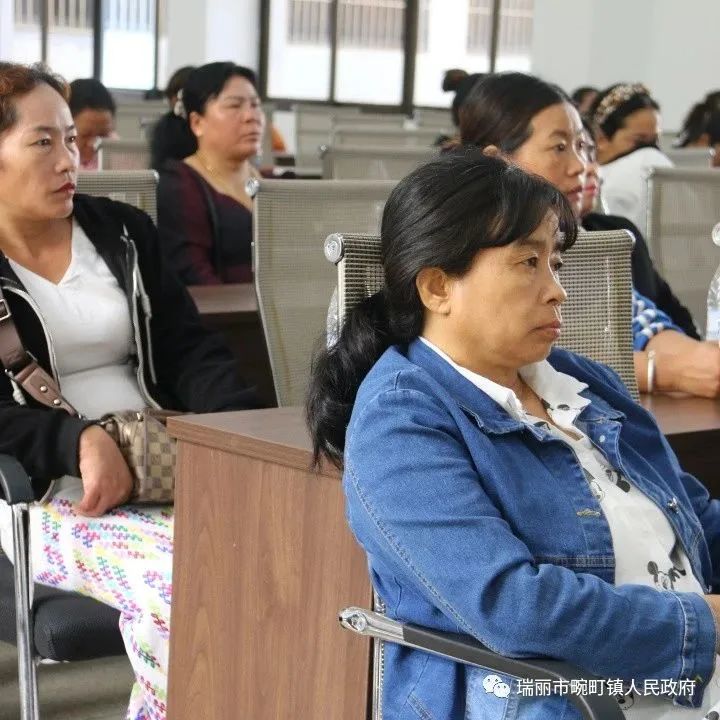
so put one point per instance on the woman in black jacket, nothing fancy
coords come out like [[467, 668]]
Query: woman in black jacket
[[646, 279], [84, 283]]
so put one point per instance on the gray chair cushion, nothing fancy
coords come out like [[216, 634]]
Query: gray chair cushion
[[68, 626]]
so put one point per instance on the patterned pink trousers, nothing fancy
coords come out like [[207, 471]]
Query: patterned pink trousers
[[124, 559]]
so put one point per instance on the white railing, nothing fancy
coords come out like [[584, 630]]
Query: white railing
[[376, 24], [134, 15], [515, 31], [516, 25], [479, 27]]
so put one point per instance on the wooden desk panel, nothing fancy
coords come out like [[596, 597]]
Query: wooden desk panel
[[263, 562], [232, 311], [692, 427]]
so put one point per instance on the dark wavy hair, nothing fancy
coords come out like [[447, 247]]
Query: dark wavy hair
[[441, 215], [499, 109]]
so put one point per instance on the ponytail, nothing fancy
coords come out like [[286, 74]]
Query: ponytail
[[441, 215], [337, 372]]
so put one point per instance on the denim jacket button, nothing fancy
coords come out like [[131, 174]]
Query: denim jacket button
[[672, 504], [602, 438]]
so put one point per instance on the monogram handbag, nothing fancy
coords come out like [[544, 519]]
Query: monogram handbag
[[141, 435], [148, 450]]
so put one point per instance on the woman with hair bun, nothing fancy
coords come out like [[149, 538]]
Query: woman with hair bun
[[204, 211]]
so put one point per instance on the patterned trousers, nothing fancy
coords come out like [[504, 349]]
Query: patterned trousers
[[123, 559]]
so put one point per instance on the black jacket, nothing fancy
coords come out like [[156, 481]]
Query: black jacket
[[646, 279], [181, 365]]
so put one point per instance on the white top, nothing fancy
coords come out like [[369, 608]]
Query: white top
[[624, 185], [88, 320], [646, 548]]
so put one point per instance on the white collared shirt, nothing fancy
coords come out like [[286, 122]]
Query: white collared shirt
[[645, 545]]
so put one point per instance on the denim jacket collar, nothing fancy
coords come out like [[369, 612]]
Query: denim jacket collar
[[488, 414]]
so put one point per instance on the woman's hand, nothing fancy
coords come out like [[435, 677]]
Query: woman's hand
[[695, 370], [681, 365], [105, 475]]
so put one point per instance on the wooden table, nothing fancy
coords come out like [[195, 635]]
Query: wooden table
[[263, 561], [692, 427], [232, 310]]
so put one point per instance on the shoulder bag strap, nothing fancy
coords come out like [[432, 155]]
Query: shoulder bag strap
[[22, 368]]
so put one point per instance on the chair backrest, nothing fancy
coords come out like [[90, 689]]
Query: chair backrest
[[294, 283], [683, 207], [349, 162], [691, 157], [135, 187], [597, 317], [393, 137], [133, 119], [125, 155], [434, 118]]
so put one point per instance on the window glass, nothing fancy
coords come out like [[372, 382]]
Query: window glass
[[515, 35], [370, 55], [128, 44], [70, 38], [299, 49]]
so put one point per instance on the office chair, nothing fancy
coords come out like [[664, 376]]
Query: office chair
[[44, 623], [682, 210], [135, 187]]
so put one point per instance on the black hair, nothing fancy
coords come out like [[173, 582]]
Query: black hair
[[441, 215], [461, 93], [581, 93], [172, 138], [177, 81], [697, 121], [616, 119], [500, 108], [452, 78], [207, 82], [88, 93]]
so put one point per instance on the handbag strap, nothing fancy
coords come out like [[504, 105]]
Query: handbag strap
[[22, 368]]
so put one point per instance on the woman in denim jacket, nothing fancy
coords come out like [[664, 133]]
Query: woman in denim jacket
[[502, 488]]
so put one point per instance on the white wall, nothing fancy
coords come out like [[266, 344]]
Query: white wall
[[200, 31], [671, 47]]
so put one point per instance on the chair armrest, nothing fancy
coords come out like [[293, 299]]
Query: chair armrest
[[468, 650], [14, 482]]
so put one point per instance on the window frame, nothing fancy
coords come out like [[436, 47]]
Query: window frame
[[410, 45], [97, 34]]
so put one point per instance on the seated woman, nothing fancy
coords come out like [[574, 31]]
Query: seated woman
[[96, 305], [93, 109], [204, 211], [627, 123], [534, 124], [501, 488], [701, 127], [646, 279]]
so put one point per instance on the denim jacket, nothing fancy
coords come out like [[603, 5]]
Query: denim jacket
[[475, 522]]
